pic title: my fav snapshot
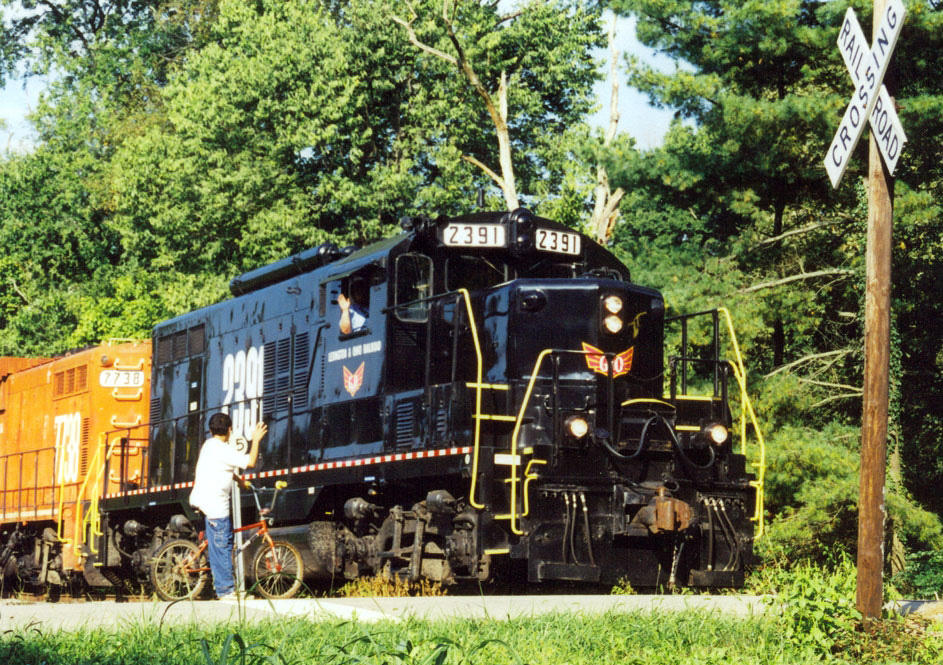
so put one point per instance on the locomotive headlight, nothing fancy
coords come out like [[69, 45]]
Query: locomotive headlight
[[613, 304], [716, 433], [612, 323], [576, 426]]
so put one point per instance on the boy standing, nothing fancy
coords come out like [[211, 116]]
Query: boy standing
[[212, 489]]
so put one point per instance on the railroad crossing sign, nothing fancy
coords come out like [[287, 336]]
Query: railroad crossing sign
[[870, 100]]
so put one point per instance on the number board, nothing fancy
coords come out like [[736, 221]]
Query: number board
[[120, 378], [474, 235], [549, 240]]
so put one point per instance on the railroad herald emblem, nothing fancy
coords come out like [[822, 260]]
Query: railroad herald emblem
[[353, 380], [596, 360]]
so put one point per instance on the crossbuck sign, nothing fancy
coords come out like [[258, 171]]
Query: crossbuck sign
[[870, 100]]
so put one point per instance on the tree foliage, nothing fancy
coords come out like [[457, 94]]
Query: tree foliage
[[208, 138], [105, 63], [738, 194], [260, 153]]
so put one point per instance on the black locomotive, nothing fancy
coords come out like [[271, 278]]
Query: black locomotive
[[493, 407]]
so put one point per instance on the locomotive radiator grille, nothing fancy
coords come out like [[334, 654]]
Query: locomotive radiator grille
[[441, 423], [300, 374], [155, 410], [405, 423], [283, 373]]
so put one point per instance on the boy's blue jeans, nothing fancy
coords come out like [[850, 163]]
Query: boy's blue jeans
[[219, 548]]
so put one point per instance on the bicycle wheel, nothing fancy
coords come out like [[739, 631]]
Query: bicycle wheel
[[278, 570], [175, 570]]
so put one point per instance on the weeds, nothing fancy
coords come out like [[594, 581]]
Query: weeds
[[923, 575], [818, 607], [622, 588], [579, 640], [387, 586], [892, 640], [224, 659], [818, 614]]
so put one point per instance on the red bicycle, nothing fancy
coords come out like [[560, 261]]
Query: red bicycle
[[179, 567]]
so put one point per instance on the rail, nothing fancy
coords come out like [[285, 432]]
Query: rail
[[466, 297], [720, 367], [514, 437], [747, 411], [513, 456], [90, 522], [80, 520], [20, 500]]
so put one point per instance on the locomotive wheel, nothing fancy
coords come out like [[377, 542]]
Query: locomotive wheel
[[277, 570], [173, 573]]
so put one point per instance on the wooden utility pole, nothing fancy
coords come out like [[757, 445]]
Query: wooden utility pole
[[877, 322], [871, 104]]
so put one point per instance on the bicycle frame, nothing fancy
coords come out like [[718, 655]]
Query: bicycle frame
[[260, 528], [177, 572]]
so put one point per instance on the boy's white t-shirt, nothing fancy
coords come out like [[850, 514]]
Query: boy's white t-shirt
[[212, 485]]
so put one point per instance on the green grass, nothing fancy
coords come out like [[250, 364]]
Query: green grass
[[695, 638]]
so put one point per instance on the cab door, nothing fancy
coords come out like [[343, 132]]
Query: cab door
[[351, 364]]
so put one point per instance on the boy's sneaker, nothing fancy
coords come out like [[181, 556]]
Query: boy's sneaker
[[231, 597]]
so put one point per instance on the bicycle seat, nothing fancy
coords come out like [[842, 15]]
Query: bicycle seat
[[265, 511]]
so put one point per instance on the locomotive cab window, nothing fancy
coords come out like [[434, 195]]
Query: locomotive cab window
[[413, 286], [473, 272], [352, 298]]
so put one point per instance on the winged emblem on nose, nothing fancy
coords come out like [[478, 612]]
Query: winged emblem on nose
[[596, 360]]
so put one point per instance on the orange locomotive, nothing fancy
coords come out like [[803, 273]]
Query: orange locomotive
[[70, 428]]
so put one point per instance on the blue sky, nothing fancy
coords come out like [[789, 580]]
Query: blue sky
[[15, 103], [637, 118]]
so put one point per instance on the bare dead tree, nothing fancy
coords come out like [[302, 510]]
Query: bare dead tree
[[829, 356], [496, 103], [606, 203], [794, 278]]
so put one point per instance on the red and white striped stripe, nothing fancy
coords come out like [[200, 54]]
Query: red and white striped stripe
[[322, 466]]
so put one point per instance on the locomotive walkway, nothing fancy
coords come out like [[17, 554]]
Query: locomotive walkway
[[45, 616]]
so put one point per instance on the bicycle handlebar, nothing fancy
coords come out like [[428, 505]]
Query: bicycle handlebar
[[264, 513]]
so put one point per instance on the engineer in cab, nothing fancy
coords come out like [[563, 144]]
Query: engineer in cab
[[355, 309]]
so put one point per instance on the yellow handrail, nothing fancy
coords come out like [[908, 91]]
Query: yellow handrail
[[648, 400], [120, 425], [129, 397], [517, 430], [137, 367], [747, 412], [478, 386], [79, 521], [529, 476], [61, 488], [92, 517]]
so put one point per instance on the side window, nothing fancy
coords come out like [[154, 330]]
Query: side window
[[413, 286], [351, 297]]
